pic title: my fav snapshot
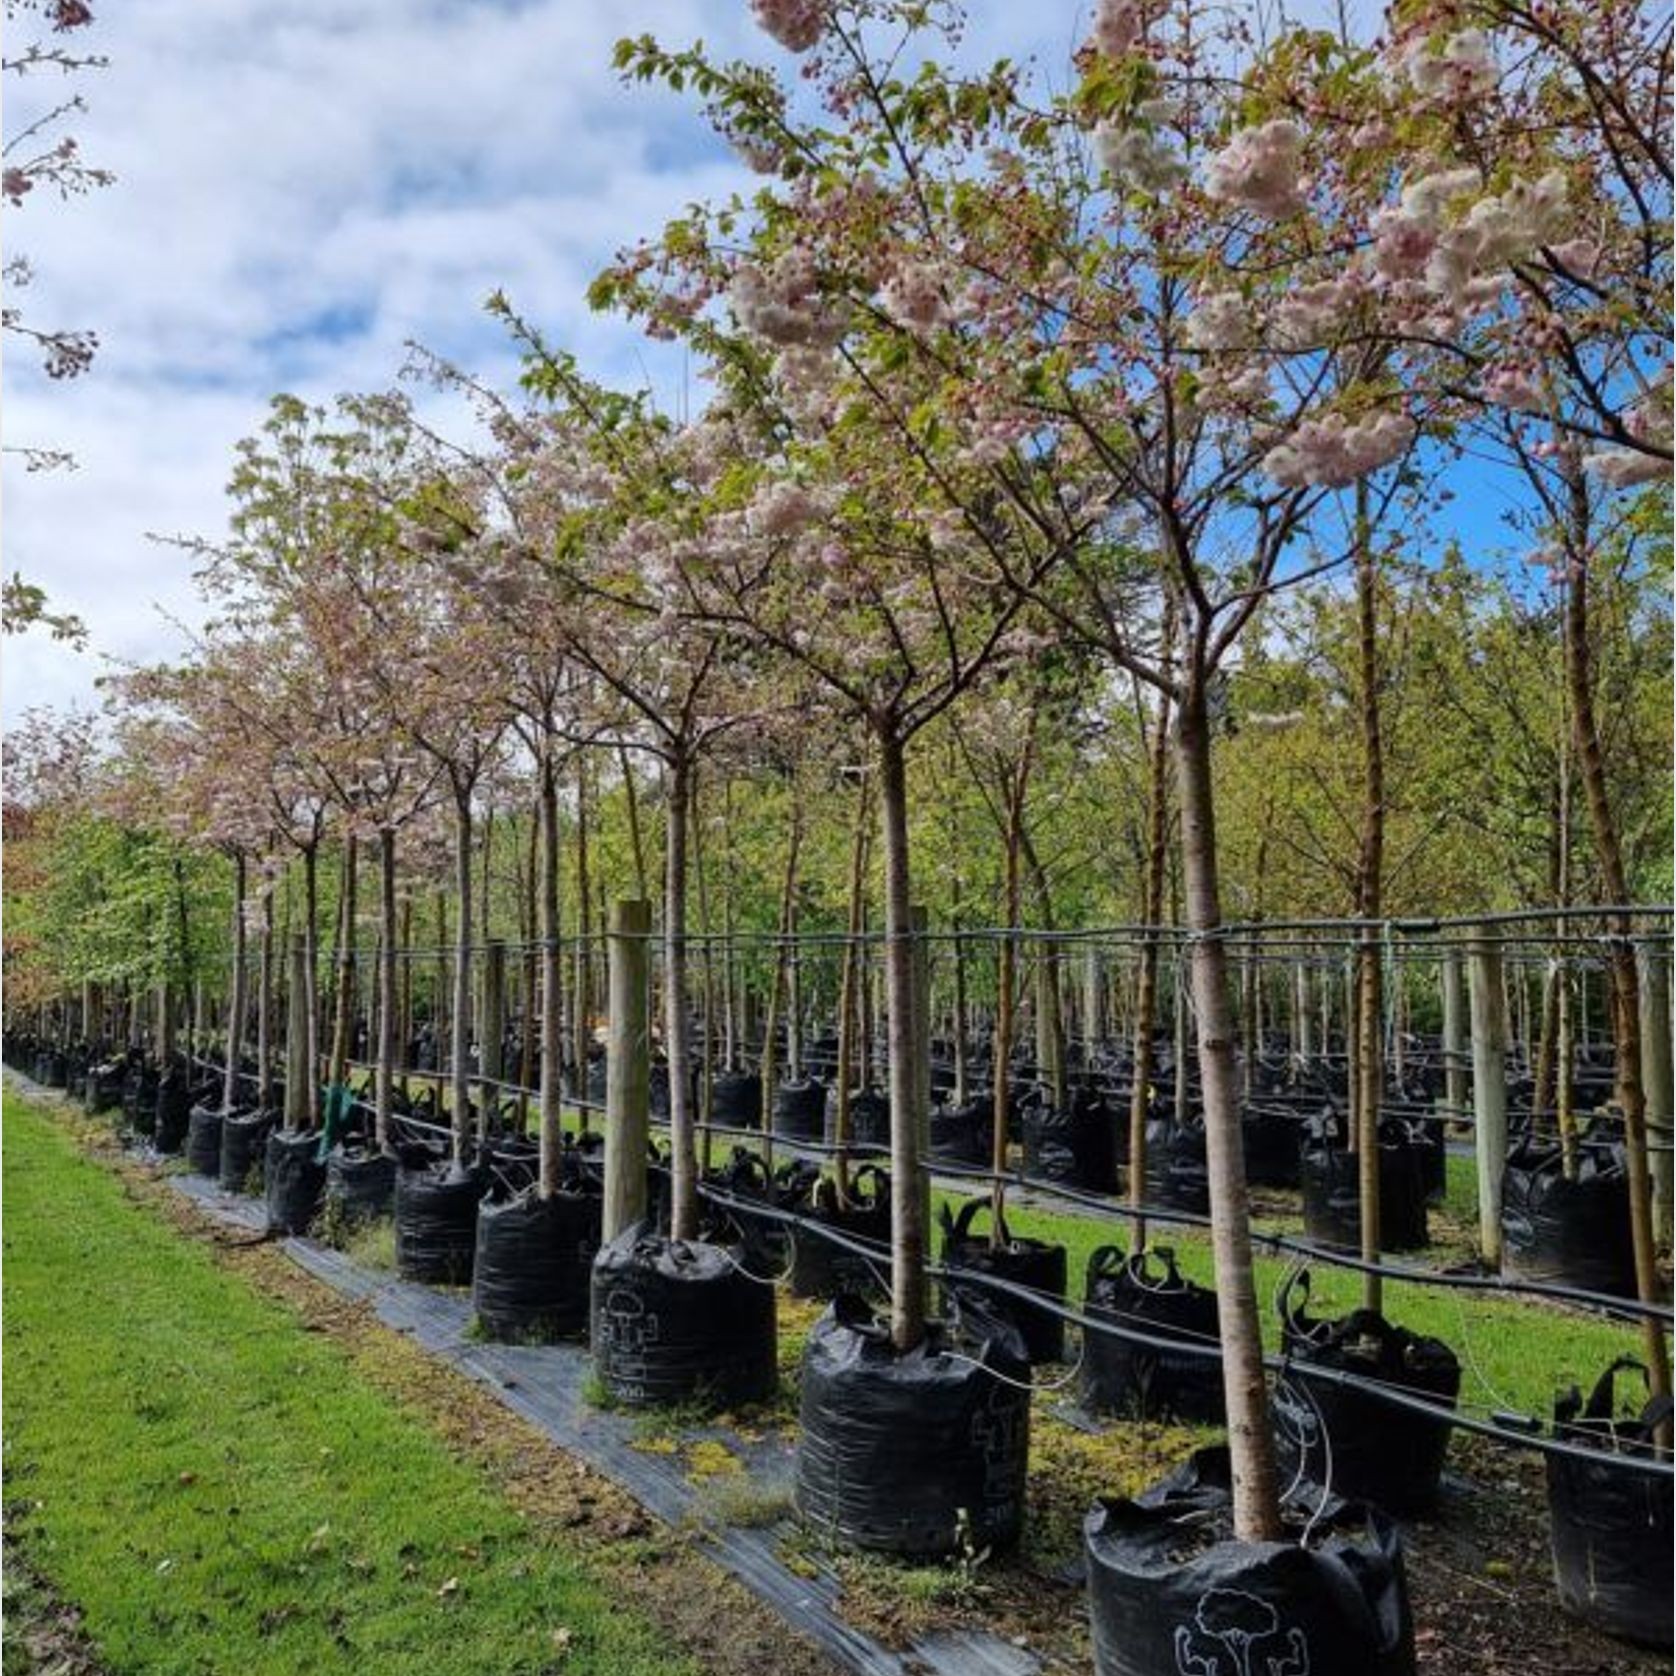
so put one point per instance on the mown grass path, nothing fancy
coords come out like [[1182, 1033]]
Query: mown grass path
[[218, 1491]]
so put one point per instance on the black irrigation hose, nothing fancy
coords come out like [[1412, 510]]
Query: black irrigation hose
[[1511, 1433]]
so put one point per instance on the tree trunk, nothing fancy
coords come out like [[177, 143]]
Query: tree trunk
[[848, 988], [1005, 983], [1625, 995], [768, 1065], [264, 1009], [683, 1158], [907, 1078], [552, 1017], [1152, 914], [636, 845], [389, 933], [236, 1002], [311, 981], [581, 988], [343, 1011], [459, 1068], [1250, 1442]]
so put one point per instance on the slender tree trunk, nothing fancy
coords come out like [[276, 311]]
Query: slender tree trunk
[[527, 1043], [907, 1078], [636, 846], [768, 1065], [581, 988], [552, 1016], [1152, 914], [236, 1002], [683, 1158], [1370, 873], [343, 1013], [1005, 985], [1625, 996], [848, 985], [389, 934], [264, 1009], [1250, 1442], [459, 1078], [311, 980]]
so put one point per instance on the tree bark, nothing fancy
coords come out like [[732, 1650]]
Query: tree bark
[[1152, 914], [848, 987], [552, 1017], [343, 1008], [683, 1158], [459, 1067], [1250, 1441], [236, 1002], [389, 933]]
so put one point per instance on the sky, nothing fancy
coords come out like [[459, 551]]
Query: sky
[[302, 187]]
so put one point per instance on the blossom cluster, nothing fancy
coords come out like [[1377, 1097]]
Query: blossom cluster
[[783, 302], [1259, 169], [913, 297], [1334, 452], [1461, 69], [1119, 26], [795, 24]]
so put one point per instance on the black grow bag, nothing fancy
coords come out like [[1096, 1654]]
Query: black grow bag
[[800, 1110], [244, 1141], [203, 1141], [139, 1099], [1162, 1605], [1177, 1177], [1610, 1524], [104, 1087], [1348, 1440], [294, 1178], [1077, 1147], [913, 1454], [530, 1277], [869, 1118], [821, 1267], [360, 1183], [736, 1099], [674, 1321], [962, 1134], [174, 1110], [436, 1224], [1332, 1192], [1272, 1134], [1148, 1294], [1020, 1262], [1568, 1233]]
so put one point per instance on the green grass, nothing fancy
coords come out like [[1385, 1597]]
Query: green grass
[[219, 1491]]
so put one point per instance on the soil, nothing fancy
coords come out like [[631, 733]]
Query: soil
[[40, 1635]]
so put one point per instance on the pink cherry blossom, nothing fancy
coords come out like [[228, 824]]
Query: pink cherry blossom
[[1513, 386], [1334, 452], [1258, 168], [795, 24], [1137, 157], [913, 297], [1118, 26], [1462, 68]]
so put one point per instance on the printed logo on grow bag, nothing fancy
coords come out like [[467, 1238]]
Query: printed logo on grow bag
[[625, 1330], [1237, 1634], [995, 1426]]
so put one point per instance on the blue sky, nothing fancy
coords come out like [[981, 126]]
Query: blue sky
[[302, 187]]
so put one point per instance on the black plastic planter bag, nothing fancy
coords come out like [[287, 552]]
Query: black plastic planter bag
[[736, 1099], [203, 1141], [869, 1118], [436, 1224], [294, 1179], [1332, 1192], [822, 1268], [529, 1282], [1271, 1134], [360, 1182], [1176, 1175], [1021, 1262], [1570, 1233], [139, 1099], [1164, 1606], [962, 1134], [174, 1110], [673, 1321], [1148, 1294], [104, 1087], [514, 1163], [1347, 1440], [244, 1142], [1610, 1525], [800, 1110], [920, 1453]]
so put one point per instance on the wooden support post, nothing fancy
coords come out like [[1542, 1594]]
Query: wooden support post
[[297, 1108], [628, 1067], [492, 1033], [1654, 959], [1488, 1000]]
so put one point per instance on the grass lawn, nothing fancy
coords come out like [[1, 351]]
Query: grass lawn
[[219, 1491]]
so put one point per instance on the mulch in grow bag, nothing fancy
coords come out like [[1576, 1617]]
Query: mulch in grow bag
[[1021, 1262], [1569, 1233], [822, 1268], [675, 1321], [294, 1180], [1176, 1174], [174, 1110], [800, 1110], [1348, 1440], [203, 1140], [1332, 1193], [919, 1454], [1272, 1133], [1148, 1293], [736, 1099], [1172, 1594], [360, 1182], [530, 1278], [436, 1223], [1610, 1524], [962, 1134], [244, 1142], [869, 1117]]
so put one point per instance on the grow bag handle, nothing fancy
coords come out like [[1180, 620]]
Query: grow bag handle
[[877, 1182], [1598, 1409], [1140, 1267], [1105, 1262], [749, 1166], [960, 1227]]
